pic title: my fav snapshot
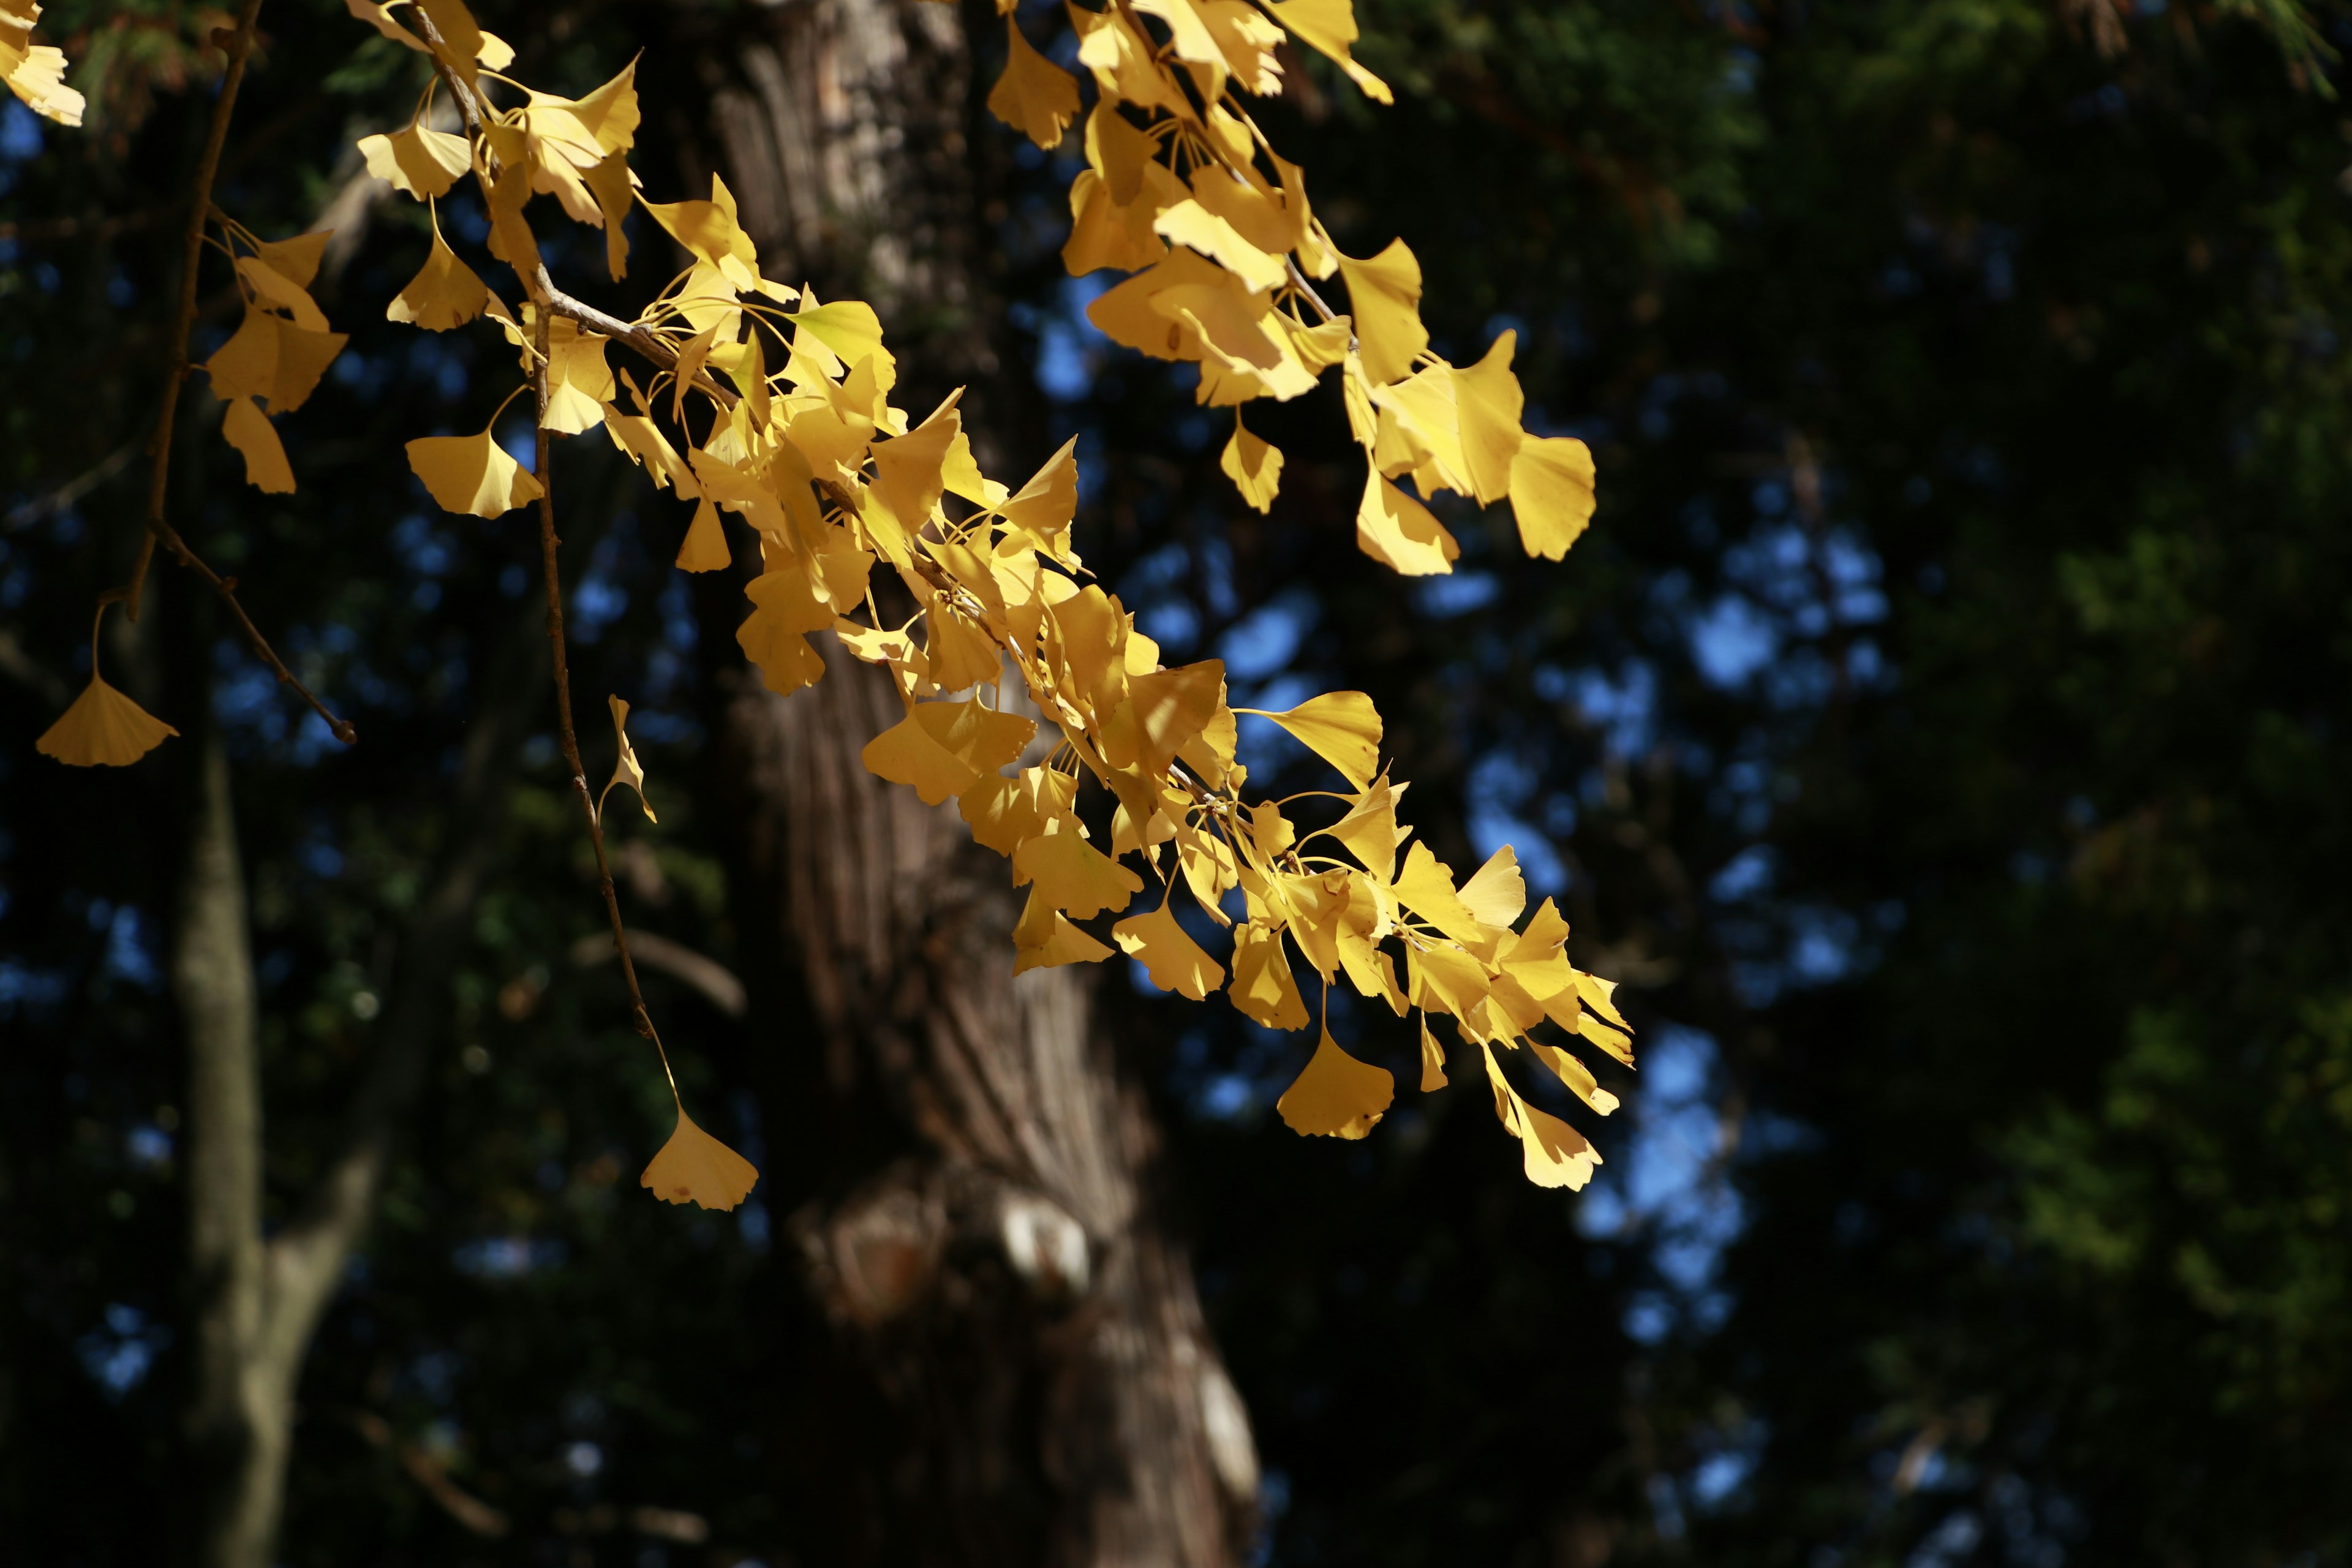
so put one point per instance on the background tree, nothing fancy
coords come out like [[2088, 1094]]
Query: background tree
[[1938, 721]]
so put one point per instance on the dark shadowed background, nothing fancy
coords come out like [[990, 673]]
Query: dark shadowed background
[[1944, 734]]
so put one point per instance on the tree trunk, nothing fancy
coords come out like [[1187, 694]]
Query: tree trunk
[[1011, 1364], [257, 1302]]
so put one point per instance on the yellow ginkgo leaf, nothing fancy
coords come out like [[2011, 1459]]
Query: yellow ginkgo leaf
[[1556, 1155], [705, 546], [1044, 940], [1342, 728], [1487, 402], [34, 72], [1254, 466], [625, 769], [851, 332], [941, 748], [1398, 530], [1497, 893], [248, 430], [1034, 95], [1385, 294], [1551, 493], [268, 283], [1172, 959], [711, 231], [1263, 988], [419, 161], [103, 728], [444, 293], [693, 1166], [1329, 26], [471, 474], [1072, 875], [1432, 1060], [1337, 1096]]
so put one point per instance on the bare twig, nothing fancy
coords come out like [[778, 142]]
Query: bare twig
[[237, 44], [73, 490]]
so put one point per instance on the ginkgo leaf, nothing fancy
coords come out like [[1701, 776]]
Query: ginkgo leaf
[[1497, 893], [102, 728], [1263, 987], [1432, 1060], [444, 293], [626, 768], [1254, 466], [1045, 939], [471, 474], [1034, 95], [941, 748], [710, 230], [36, 72], [1072, 875], [1337, 1096], [1385, 297], [268, 283], [421, 161], [852, 332], [248, 430], [1556, 1155], [296, 259], [1393, 528], [705, 546], [693, 1166], [1343, 727], [1551, 493], [1329, 26], [302, 358], [1487, 404], [1170, 956]]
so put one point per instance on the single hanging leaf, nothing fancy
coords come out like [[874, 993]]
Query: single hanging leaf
[[1551, 493], [1394, 529], [705, 547], [421, 161], [1173, 960], [1497, 893], [1487, 404], [1034, 95], [444, 293], [1073, 876], [693, 1166], [625, 769], [102, 728], [249, 431], [1432, 1060], [1385, 297], [1046, 939], [1337, 1096], [1556, 1155], [1329, 26], [296, 259], [1342, 728], [1263, 988], [1254, 466], [471, 474]]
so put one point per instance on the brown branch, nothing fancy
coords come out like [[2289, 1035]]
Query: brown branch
[[237, 44], [551, 573]]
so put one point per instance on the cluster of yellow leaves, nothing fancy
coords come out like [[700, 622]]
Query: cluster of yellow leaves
[[775, 409], [1182, 189], [34, 72], [277, 354]]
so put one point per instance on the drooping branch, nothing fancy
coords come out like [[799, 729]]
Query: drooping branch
[[236, 43]]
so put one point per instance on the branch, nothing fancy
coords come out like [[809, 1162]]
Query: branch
[[237, 44]]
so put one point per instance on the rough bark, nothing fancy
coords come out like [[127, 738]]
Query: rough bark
[[257, 1298], [1015, 1365]]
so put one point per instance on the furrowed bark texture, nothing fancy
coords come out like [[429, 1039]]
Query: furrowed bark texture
[[1012, 1366]]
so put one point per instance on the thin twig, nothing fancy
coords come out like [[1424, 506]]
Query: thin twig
[[552, 574], [237, 44]]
